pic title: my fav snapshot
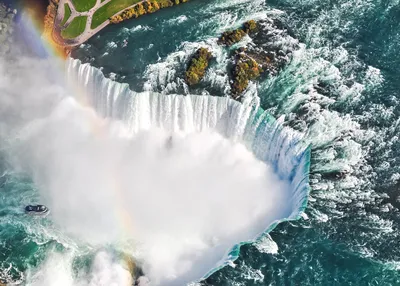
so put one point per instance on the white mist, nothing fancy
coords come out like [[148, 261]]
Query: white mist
[[184, 198]]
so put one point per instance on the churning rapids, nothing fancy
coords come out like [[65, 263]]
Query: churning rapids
[[236, 168], [179, 183]]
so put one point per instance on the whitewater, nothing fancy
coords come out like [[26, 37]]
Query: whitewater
[[337, 98], [144, 174], [339, 91]]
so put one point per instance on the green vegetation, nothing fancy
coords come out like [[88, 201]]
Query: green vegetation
[[109, 10], [197, 66], [83, 5], [230, 38], [76, 28], [114, 11], [67, 13], [147, 7], [245, 69], [117, 10], [250, 26]]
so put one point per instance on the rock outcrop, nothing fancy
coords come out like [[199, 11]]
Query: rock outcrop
[[197, 66], [230, 38], [268, 52], [245, 69], [270, 48]]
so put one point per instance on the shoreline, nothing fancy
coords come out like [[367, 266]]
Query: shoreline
[[58, 16]]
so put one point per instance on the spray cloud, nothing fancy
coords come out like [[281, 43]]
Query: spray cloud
[[181, 199]]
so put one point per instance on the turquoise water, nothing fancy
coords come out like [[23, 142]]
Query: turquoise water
[[262, 134], [340, 91]]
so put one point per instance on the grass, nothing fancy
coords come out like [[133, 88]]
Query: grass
[[83, 5], [110, 9], [67, 13], [74, 29]]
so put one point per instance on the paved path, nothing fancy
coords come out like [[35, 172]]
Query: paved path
[[89, 32]]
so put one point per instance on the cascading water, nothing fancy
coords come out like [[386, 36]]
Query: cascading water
[[338, 90], [144, 174], [247, 123]]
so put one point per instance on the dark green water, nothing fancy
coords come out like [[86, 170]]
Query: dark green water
[[341, 90], [350, 49]]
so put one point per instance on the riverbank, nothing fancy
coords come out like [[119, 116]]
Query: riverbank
[[73, 25]]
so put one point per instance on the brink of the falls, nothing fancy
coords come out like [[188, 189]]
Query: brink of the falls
[[241, 123]]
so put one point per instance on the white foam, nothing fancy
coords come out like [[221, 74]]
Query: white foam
[[167, 76], [165, 195], [267, 245], [102, 162], [122, 164], [58, 270], [178, 20]]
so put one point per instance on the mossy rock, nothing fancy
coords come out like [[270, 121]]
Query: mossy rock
[[197, 66], [244, 70], [230, 38], [250, 27]]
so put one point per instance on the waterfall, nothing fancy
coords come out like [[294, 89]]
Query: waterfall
[[245, 122]]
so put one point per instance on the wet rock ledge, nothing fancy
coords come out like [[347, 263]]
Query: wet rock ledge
[[197, 66], [269, 50]]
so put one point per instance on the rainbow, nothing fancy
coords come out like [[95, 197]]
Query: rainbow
[[37, 32], [42, 45], [261, 123]]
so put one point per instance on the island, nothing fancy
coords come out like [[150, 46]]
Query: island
[[73, 22], [263, 56], [70, 23]]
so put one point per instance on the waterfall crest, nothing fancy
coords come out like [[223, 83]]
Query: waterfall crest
[[244, 122]]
